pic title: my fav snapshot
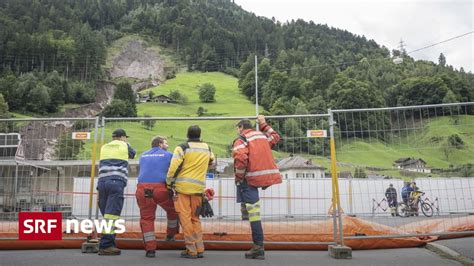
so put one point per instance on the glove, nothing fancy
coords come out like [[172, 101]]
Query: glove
[[209, 194], [198, 211], [206, 209]]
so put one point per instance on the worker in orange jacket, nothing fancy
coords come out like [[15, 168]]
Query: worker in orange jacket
[[254, 168]]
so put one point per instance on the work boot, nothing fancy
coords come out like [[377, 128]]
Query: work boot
[[185, 254], [169, 238], [200, 255], [256, 252], [109, 251], [150, 254], [245, 213]]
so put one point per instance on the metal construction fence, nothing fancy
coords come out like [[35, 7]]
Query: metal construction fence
[[426, 147], [38, 162], [45, 167]]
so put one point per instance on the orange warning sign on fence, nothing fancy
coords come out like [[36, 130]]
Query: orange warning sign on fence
[[81, 135], [316, 133]]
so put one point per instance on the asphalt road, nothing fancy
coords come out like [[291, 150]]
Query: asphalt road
[[463, 246], [412, 256]]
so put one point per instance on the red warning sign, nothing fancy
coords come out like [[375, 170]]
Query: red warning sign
[[317, 133], [81, 135]]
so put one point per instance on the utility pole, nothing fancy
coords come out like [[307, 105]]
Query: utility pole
[[403, 51], [256, 85], [256, 92]]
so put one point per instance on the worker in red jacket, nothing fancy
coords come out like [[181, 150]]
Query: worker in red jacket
[[254, 168]]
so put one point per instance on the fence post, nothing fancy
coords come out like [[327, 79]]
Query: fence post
[[288, 199], [340, 251], [351, 211], [93, 163], [373, 207], [102, 132], [219, 198], [15, 186]]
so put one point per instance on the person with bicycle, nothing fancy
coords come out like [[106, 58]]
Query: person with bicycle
[[406, 190], [414, 198], [413, 201]]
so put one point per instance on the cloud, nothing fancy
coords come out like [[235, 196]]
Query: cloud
[[419, 23]]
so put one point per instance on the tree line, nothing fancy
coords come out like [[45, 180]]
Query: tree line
[[43, 93], [304, 67]]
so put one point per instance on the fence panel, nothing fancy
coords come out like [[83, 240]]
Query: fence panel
[[38, 162], [304, 196], [431, 146], [44, 169]]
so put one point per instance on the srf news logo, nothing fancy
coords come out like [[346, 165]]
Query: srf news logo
[[48, 226], [40, 226]]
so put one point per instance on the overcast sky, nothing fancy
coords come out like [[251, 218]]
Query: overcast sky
[[418, 22]]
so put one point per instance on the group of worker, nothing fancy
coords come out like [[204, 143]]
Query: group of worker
[[177, 183]]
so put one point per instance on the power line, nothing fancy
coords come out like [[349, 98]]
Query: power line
[[402, 45], [447, 40]]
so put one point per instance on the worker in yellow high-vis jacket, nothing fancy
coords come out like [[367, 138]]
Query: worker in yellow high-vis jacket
[[113, 176], [187, 179]]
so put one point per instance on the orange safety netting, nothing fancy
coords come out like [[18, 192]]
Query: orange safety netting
[[306, 231]]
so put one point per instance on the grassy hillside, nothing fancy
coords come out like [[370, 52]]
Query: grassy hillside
[[229, 100], [18, 115], [219, 134], [428, 144]]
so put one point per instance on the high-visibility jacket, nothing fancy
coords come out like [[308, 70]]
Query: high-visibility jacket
[[114, 160], [188, 169], [253, 159]]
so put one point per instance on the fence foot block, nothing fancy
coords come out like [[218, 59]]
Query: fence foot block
[[90, 246], [340, 252]]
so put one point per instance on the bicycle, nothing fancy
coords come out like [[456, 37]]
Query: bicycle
[[411, 207]]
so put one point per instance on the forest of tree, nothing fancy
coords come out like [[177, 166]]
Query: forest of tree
[[304, 67]]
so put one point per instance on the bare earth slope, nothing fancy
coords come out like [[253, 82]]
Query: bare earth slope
[[136, 61]]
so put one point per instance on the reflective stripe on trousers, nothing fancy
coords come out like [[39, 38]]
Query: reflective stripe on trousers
[[198, 240], [189, 243], [172, 223], [110, 218], [254, 211], [149, 236]]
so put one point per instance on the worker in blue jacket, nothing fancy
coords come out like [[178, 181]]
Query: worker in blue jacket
[[151, 191], [113, 176]]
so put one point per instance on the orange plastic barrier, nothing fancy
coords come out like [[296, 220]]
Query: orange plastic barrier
[[457, 224], [356, 226], [304, 231]]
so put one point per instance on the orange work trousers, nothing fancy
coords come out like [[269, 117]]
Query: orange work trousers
[[186, 206], [149, 195]]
